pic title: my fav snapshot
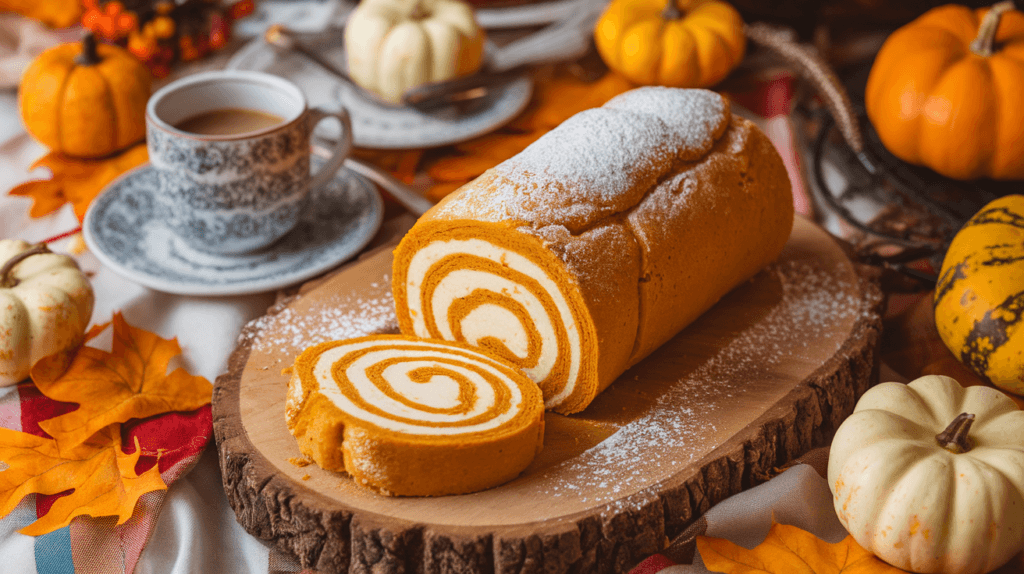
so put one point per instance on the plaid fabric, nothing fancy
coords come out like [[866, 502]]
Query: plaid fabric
[[97, 545]]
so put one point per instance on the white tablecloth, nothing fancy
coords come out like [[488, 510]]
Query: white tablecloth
[[196, 531]]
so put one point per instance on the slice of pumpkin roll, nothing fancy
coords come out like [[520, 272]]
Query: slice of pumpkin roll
[[599, 242], [414, 418]]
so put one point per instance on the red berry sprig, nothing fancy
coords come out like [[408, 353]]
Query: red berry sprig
[[162, 32]]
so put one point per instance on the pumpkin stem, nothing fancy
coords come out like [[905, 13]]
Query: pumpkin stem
[[984, 43], [419, 12], [671, 11], [6, 281], [954, 438], [89, 55]]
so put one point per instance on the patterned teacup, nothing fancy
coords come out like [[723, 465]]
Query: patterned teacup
[[231, 150]]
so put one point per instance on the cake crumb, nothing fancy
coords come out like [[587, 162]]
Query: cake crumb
[[300, 461]]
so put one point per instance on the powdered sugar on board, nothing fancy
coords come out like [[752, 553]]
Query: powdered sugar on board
[[774, 334], [352, 315], [683, 420]]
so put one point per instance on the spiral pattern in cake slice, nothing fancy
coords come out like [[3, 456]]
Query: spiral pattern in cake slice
[[508, 298], [413, 417]]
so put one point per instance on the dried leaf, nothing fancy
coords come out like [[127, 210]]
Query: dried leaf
[[403, 164], [53, 366], [129, 382], [438, 191], [478, 155], [790, 550], [76, 181], [95, 331], [102, 475], [564, 96]]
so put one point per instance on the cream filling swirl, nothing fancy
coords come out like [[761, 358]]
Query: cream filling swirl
[[440, 392], [492, 320]]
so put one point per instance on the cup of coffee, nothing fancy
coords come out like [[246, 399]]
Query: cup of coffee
[[231, 150]]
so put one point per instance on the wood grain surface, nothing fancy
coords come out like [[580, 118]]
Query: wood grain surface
[[764, 376]]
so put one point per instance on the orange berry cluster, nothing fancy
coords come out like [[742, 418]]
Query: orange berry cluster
[[162, 32]]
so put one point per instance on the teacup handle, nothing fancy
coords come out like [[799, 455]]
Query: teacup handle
[[341, 149]]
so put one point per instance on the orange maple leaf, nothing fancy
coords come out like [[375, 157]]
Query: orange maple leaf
[[129, 382], [76, 181], [102, 475], [790, 550]]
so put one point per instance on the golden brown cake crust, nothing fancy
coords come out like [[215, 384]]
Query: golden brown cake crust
[[652, 206]]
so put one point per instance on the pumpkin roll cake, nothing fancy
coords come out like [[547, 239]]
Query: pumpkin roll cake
[[599, 242], [414, 418]]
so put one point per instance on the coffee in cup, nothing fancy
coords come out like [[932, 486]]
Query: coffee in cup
[[231, 150], [228, 121]]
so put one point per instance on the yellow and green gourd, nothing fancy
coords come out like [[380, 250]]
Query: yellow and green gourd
[[979, 299]]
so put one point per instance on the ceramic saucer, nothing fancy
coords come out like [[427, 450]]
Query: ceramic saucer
[[123, 229], [503, 15], [376, 125]]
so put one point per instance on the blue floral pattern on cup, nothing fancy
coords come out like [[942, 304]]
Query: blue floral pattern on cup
[[232, 196], [236, 193]]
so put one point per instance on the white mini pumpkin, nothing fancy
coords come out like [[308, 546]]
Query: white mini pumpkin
[[904, 492], [395, 45], [45, 305]]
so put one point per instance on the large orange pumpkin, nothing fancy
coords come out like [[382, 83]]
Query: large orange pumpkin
[[678, 43], [85, 100], [945, 92]]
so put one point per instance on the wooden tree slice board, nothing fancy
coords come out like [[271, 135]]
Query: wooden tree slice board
[[764, 376]]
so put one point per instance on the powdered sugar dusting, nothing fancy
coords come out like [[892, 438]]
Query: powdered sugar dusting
[[290, 332], [682, 425], [595, 163], [696, 118], [598, 163]]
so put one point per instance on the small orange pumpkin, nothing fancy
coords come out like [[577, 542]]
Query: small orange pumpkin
[[979, 299], [681, 43], [945, 92], [85, 100]]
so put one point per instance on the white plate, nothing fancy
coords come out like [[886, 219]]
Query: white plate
[[123, 229], [375, 125], [523, 15], [311, 16]]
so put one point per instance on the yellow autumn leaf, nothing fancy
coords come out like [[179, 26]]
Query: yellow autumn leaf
[[102, 475], [790, 550], [129, 382]]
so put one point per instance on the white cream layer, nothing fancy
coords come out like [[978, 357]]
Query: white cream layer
[[439, 392], [487, 320], [492, 320]]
